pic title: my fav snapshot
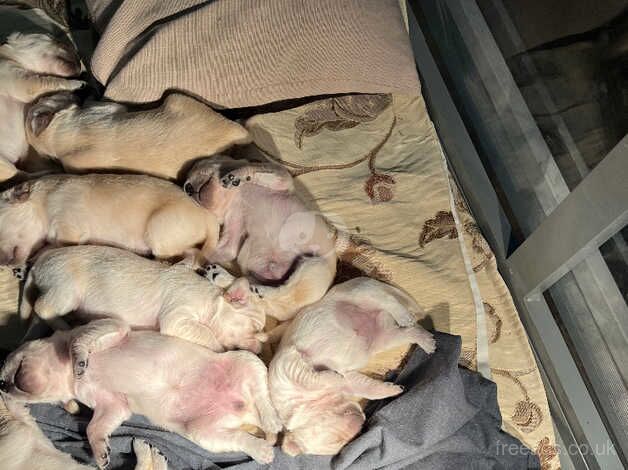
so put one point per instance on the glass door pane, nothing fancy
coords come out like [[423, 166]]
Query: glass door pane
[[593, 317]]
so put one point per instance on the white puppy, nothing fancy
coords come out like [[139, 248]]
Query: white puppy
[[314, 377], [100, 281], [23, 445], [267, 230], [139, 213], [182, 387], [30, 65], [108, 136]]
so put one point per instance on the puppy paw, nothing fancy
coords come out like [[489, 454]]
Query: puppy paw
[[19, 272], [80, 364], [271, 438], [230, 181], [427, 342], [218, 276], [72, 85], [148, 457], [71, 407], [101, 454], [263, 453], [257, 290], [423, 338]]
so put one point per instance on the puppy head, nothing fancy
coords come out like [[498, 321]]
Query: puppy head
[[242, 318], [41, 112], [21, 228], [41, 53], [204, 185], [39, 371], [325, 432]]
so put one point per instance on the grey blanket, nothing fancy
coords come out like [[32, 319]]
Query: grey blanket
[[447, 418]]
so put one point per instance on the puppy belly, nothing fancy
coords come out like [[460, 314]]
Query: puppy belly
[[364, 323], [212, 393]]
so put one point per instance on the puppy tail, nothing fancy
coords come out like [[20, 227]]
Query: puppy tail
[[26, 303]]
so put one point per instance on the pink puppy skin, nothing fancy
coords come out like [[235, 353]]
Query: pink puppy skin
[[178, 385]]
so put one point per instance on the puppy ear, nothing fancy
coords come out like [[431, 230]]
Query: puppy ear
[[19, 193], [238, 293], [39, 121]]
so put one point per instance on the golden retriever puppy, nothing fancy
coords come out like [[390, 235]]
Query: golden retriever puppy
[[101, 281], [139, 213], [23, 446], [178, 385], [30, 65], [314, 377], [266, 229], [107, 136]]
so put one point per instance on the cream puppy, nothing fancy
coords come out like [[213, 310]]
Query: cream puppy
[[100, 281], [107, 136], [23, 446], [266, 229], [314, 377], [178, 385], [30, 65], [142, 214]]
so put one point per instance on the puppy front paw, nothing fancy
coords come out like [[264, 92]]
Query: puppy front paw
[[19, 272], [218, 276]]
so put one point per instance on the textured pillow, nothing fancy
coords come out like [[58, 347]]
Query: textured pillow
[[238, 53]]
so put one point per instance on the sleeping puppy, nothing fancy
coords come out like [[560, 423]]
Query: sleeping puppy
[[23, 446], [314, 379], [139, 213], [266, 229], [100, 281], [30, 65], [177, 385], [108, 136]]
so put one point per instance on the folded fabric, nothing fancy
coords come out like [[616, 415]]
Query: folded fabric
[[447, 418], [238, 53]]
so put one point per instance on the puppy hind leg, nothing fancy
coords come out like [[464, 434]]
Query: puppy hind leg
[[403, 336], [269, 419], [364, 386], [108, 416], [396, 303], [229, 440], [308, 284], [55, 302]]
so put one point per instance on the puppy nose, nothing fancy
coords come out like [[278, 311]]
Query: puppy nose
[[188, 188]]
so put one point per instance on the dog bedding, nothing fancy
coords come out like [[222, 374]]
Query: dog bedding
[[388, 190]]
